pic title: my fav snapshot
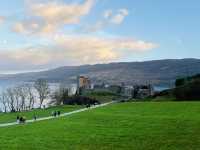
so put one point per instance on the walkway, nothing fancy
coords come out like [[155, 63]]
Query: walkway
[[62, 115]]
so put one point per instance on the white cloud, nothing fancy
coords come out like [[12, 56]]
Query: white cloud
[[120, 16], [61, 13], [20, 28], [50, 16], [109, 18], [107, 14], [76, 50], [34, 27]]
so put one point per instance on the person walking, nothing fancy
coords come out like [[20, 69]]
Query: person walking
[[34, 117], [88, 105], [55, 114], [58, 113], [18, 118], [22, 119], [52, 113]]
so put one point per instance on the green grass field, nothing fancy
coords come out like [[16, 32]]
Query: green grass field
[[129, 126], [11, 117]]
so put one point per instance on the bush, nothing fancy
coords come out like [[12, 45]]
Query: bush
[[80, 100], [190, 91], [180, 82], [102, 93]]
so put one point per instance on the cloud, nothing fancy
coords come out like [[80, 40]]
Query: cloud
[[60, 13], [108, 13], [74, 50], [2, 19], [49, 18], [52, 15], [33, 27], [120, 16], [109, 18], [99, 50]]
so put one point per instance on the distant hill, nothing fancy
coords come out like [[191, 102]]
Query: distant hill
[[158, 72]]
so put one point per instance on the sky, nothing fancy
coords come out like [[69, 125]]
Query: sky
[[44, 34]]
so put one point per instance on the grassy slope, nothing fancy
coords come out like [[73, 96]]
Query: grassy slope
[[11, 117], [138, 126]]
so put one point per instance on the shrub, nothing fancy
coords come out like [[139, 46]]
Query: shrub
[[190, 91], [80, 100], [180, 82]]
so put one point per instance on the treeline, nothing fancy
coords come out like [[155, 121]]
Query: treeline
[[28, 96], [23, 97], [188, 88], [80, 100], [61, 96]]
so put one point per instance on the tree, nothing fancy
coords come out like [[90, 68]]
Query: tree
[[80, 100], [11, 99], [22, 92], [190, 90], [3, 100], [16, 95], [59, 96], [180, 82], [30, 97], [42, 87]]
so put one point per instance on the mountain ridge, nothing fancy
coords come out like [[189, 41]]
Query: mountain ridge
[[158, 72]]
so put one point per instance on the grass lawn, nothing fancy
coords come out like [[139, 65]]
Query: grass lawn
[[129, 126], [11, 117]]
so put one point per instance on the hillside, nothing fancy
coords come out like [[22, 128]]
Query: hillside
[[159, 72]]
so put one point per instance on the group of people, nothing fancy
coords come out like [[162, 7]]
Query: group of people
[[21, 119], [88, 106], [55, 113]]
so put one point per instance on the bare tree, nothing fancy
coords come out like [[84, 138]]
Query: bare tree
[[43, 90], [11, 99], [59, 95], [16, 92], [23, 95], [30, 97], [4, 102]]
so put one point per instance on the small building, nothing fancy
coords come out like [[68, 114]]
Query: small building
[[101, 86], [143, 91], [115, 89], [83, 83], [137, 91], [127, 91]]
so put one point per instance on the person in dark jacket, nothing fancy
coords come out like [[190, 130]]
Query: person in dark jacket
[[58, 113], [22, 119], [88, 105], [35, 117], [55, 114], [18, 118]]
